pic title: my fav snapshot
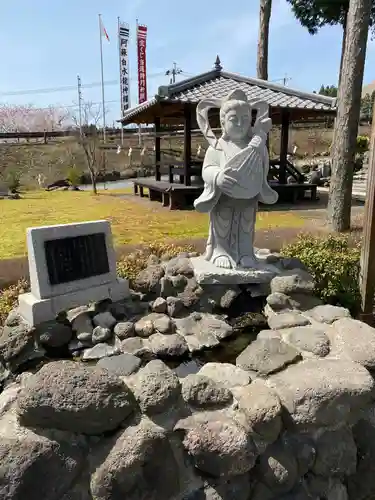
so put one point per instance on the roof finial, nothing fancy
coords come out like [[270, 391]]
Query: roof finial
[[218, 66]]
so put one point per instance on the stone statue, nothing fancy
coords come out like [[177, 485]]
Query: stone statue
[[235, 172]]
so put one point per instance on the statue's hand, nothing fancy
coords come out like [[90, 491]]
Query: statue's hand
[[226, 183], [264, 125]]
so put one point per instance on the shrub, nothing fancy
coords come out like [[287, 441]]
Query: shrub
[[9, 296], [130, 265], [74, 176], [334, 264], [13, 180], [362, 144]]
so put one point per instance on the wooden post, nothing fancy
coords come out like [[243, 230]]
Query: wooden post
[[157, 149], [284, 143], [367, 267], [187, 144]]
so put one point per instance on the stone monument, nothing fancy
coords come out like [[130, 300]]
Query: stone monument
[[235, 172]]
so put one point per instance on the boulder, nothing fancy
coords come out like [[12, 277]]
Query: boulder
[[202, 330], [262, 408], [159, 305], [147, 281], [287, 320], [278, 301], [308, 339], [139, 463], [74, 397], [122, 365], [81, 323], [226, 374], [17, 345], [322, 392], [37, 464], [100, 334], [217, 444], [165, 346], [336, 453], [293, 281], [199, 391], [327, 313], [354, 340], [266, 356], [101, 350], [179, 265], [175, 307], [53, 333], [124, 330], [105, 320], [302, 447], [156, 388]]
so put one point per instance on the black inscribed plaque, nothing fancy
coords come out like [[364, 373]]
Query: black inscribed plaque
[[76, 258]]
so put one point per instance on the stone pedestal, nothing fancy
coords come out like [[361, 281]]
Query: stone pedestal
[[35, 310]]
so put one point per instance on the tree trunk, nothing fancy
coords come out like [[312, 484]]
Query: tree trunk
[[343, 45], [264, 29], [348, 111], [93, 181]]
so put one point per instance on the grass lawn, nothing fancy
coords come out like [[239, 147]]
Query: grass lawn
[[132, 221]]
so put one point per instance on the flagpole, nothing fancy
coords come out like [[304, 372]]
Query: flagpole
[[139, 126], [102, 73], [119, 55]]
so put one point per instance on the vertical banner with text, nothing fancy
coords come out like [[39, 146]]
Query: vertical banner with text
[[123, 35], [142, 74]]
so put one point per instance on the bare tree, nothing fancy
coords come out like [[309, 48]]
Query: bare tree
[[264, 29], [348, 112], [88, 136]]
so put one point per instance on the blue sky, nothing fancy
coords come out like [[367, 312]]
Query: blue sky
[[46, 44]]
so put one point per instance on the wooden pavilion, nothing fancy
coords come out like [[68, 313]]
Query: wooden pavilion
[[174, 106]]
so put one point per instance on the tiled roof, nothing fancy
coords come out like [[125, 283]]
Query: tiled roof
[[220, 83]]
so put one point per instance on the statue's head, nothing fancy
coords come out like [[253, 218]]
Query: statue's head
[[235, 116]]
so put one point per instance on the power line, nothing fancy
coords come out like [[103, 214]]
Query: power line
[[173, 72], [69, 87]]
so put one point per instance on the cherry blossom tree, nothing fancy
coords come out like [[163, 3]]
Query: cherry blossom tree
[[28, 118]]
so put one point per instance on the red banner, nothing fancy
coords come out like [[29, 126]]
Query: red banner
[[142, 75]]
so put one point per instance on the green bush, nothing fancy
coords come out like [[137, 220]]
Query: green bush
[[13, 180], [363, 143], [334, 264], [74, 176]]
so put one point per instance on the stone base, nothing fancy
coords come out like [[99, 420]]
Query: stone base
[[207, 273], [34, 310]]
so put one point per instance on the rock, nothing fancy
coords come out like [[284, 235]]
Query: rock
[[308, 339], [278, 469], [278, 301], [287, 320], [147, 280], [336, 453], [262, 408], [269, 334], [17, 345], [175, 307], [122, 365], [361, 484], [202, 330], [173, 345], [199, 391], [179, 265], [105, 320], [293, 281], [72, 314], [159, 305], [13, 318], [136, 346], [144, 327], [53, 334], [124, 330], [226, 374], [302, 447], [26, 454], [166, 287], [140, 464], [267, 356], [292, 263], [76, 345], [354, 340], [322, 392], [81, 323], [332, 488], [99, 351], [327, 313], [232, 488], [303, 302], [217, 444], [100, 334], [163, 324], [70, 396], [156, 388]]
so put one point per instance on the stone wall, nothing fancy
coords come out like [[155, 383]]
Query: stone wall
[[293, 418]]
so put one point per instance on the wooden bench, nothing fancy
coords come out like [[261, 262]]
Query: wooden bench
[[169, 194]]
